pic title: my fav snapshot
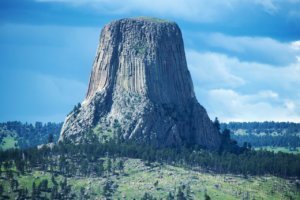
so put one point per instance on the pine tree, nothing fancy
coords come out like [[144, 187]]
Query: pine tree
[[180, 195], [82, 192], [54, 192], [50, 138], [147, 196], [34, 191], [188, 192], [217, 124], [170, 196], [156, 184], [109, 165], [121, 165], [1, 189], [107, 189], [206, 197]]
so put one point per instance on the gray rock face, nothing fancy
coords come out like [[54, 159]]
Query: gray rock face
[[140, 88]]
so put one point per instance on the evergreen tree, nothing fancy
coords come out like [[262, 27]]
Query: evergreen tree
[[1, 189], [121, 165], [53, 180], [82, 193], [148, 196], [180, 195], [107, 191], [170, 196], [54, 192], [206, 197], [156, 184], [50, 138], [43, 186], [109, 165], [34, 192], [217, 124], [22, 194], [188, 192], [98, 169]]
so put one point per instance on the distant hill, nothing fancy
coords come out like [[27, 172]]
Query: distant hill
[[262, 134], [15, 134]]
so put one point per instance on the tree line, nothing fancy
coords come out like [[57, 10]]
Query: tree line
[[30, 135], [289, 127], [261, 134], [91, 158], [85, 158]]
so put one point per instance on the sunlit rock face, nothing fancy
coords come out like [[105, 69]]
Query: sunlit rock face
[[140, 85]]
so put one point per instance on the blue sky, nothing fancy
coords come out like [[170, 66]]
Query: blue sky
[[243, 55]]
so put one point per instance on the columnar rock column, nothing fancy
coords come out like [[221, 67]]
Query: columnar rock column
[[140, 85]]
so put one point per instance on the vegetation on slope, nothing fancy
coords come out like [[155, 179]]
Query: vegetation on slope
[[23, 135], [115, 169], [266, 134], [139, 180], [91, 168]]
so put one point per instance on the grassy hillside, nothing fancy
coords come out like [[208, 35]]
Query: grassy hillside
[[23, 135], [113, 169], [266, 134], [158, 180], [9, 141]]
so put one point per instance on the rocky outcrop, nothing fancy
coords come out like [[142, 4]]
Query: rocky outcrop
[[140, 88]]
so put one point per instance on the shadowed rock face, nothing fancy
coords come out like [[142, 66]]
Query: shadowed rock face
[[140, 85]]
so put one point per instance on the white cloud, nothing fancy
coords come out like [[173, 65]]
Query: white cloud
[[290, 105], [296, 45], [263, 92], [192, 10], [268, 94], [250, 107], [273, 6], [268, 5], [211, 70], [259, 49]]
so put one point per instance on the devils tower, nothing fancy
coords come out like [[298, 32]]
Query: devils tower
[[140, 87]]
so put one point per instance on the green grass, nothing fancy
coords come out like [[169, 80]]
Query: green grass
[[139, 178], [9, 142], [142, 178]]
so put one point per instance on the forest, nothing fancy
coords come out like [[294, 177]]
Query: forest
[[15, 134], [96, 160], [258, 134], [92, 158], [262, 134]]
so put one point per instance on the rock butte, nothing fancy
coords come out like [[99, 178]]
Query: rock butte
[[140, 85]]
